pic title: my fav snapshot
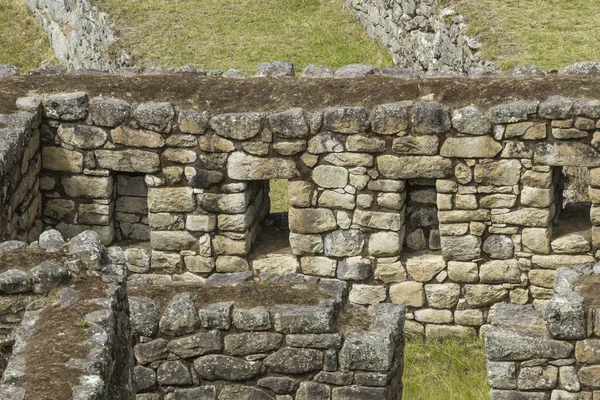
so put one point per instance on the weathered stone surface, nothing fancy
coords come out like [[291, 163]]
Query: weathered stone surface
[[536, 197], [144, 378], [290, 360], [566, 154], [408, 293], [241, 344], [536, 240], [15, 281], [173, 373], [276, 264], [355, 71], [143, 316], [88, 186], [502, 375], [367, 351], [316, 71], [416, 145], [505, 271], [148, 352], [128, 160], [556, 107], [470, 120], [565, 316], [359, 143], [379, 220], [534, 217], [319, 266], [137, 138], [155, 116], [290, 124], [556, 261], [216, 367], [513, 112], [324, 142], [345, 119], [470, 147], [330, 177], [507, 345], [313, 391], [254, 319], [500, 173], [526, 131], [238, 126], [424, 267], [588, 351], [410, 167], [66, 107], [430, 118], [192, 122], [516, 395], [536, 378], [570, 244], [311, 220], [171, 199], [279, 384], [172, 240], [385, 244], [390, 119], [442, 296], [464, 272], [243, 167], [230, 203], [350, 159], [590, 376], [59, 159], [343, 243], [180, 316], [367, 294], [216, 315], [484, 295], [499, 247], [275, 69], [302, 319], [48, 275], [357, 393], [461, 248]]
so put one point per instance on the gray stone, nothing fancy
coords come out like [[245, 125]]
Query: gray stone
[[173, 373], [242, 344], [500, 173], [243, 393], [144, 378], [155, 116], [461, 248], [367, 351], [216, 367], [513, 112], [216, 316], [279, 384], [354, 268], [390, 119], [566, 154], [128, 160], [109, 112], [291, 360], [556, 107], [82, 136], [290, 124], [15, 281], [345, 120], [275, 69], [410, 167], [502, 375], [324, 142], [565, 316], [316, 71], [358, 393], [192, 122], [506, 345], [9, 70], [443, 295], [148, 352], [516, 395], [484, 295], [302, 319], [238, 126], [180, 316], [536, 378], [355, 71], [143, 316], [342, 243], [198, 344], [51, 240], [311, 220], [197, 393], [313, 391], [499, 247], [360, 143], [49, 275], [470, 120], [327, 176], [254, 319], [430, 118], [66, 107]]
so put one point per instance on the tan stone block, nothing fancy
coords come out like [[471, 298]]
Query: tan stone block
[[411, 294], [59, 159]]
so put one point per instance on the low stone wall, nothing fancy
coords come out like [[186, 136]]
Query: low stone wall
[[79, 33], [421, 35], [20, 164], [255, 347], [551, 351], [68, 303]]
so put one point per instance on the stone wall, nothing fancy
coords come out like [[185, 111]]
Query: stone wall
[[79, 33], [65, 320], [20, 164], [487, 239], [550, 351], [191, 348], [421, 34]]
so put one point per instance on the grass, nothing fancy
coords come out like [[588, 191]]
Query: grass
[[278, 194], [450, 370], [22, 40], [548, 33], [240, 34]]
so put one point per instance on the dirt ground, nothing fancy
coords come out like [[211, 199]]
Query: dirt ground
[[220, 95]]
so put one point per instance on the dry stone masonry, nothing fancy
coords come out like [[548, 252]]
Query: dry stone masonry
[[548, 352]]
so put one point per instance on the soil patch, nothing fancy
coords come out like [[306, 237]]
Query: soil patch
[[274, 237], [574, 219], [354, 318], [245, 295], [221, 95], [60, 334], [29, 257]]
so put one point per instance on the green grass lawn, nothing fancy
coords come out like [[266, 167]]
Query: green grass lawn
[[449, 370], [240, 34], [23, 43], [548, 33]]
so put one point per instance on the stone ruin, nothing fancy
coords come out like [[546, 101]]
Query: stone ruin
[[407, 215]]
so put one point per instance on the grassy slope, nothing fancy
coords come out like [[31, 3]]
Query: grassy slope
[[241, 34], [548, 33], [22, 41], [444, 371]]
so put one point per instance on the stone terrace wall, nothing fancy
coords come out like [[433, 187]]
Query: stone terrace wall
[[550, 352], [20, 164], [34, 300], [79, 34], [230, 351], [495, 173], [420, 34]]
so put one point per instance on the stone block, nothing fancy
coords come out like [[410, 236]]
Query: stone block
[[410, 167], [66, 106], [470, 147], [463, 272], [290, 360], [319, 266], [244, 167], [345, 120], [128, 160], [424, 267], [221, 367], [242, 344], [311, 220], [343, 243], [499, 173], [409, 293], [442, 295], [253, 319], [59, 159], [367, 294], [367, 351], [302, 319], [390, 119], [484, 295], [93, 187], [470, 120], [461, 248], [155, 116]]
